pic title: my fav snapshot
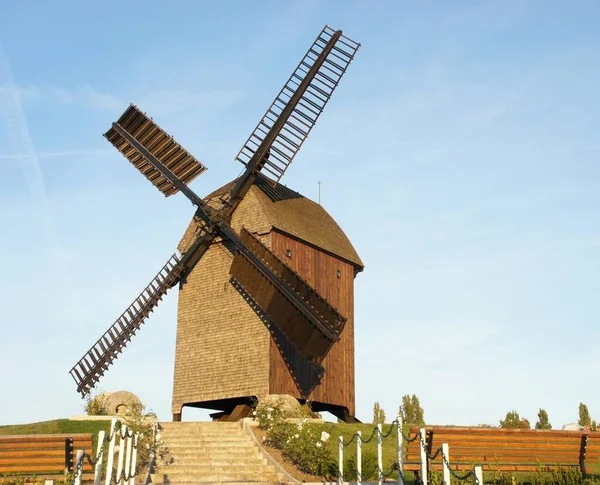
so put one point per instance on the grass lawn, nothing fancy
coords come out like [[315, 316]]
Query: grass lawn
[[389, 448], [56, 426]]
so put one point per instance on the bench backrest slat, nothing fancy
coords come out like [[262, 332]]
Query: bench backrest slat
[[510, 449], [38, 454]]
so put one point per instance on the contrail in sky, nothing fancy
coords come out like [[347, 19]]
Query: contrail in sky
[[64, 153], [15, 121]]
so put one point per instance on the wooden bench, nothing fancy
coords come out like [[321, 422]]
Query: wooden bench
[[507, 449], [40, 455]]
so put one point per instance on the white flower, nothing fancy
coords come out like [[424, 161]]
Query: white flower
[[296, 436], [254, 413], [264, 438], [157, 436], [319, 444], [324, 436], [269, 409], [147, 446], [268, 416]]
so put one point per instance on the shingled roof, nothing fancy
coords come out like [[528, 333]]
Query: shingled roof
[[266, 207]]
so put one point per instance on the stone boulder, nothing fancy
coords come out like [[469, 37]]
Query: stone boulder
[[118, 402], [289, 405]]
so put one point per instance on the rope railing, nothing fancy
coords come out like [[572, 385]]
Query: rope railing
[[427, 456], [126, 461]]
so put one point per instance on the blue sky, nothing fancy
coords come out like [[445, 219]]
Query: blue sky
[[460, 153]]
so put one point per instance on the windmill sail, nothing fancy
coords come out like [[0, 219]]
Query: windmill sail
[[159, 144], [91, 367], [288, 121], [314, 331]]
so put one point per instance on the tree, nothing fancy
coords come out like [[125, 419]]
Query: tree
[[378, 414], [513, 420], [542, 422], [411, 411], [584, 416]]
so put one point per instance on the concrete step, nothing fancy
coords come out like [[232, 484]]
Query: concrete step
[[203, 439], [195, 431], [218, 462], [215, 452], [199, 425], [211, 445], [194, 478], [159, 479], [231, 467], [205, 452]]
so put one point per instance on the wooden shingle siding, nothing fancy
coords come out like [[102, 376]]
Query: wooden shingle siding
[[222, 346]]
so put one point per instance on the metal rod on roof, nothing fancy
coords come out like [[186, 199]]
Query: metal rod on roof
[[319, 184]]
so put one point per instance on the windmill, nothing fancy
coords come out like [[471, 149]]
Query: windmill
[[295, 317]]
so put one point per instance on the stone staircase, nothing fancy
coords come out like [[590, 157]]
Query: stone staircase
[[212, 452]]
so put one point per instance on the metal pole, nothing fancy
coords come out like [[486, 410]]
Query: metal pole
[[133, 460], [341, 460], [445, 464], [128, 455], [379, 454], [423, 448], [123, 433], [79, 459], [358, 457], [478, 474], [111, 450], [400, 458], [99, 455]]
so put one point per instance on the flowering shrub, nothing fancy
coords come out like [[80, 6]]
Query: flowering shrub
[[301, 442], [143, 422]]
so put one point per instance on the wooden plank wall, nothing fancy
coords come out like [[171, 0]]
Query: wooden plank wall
[[319, 269]]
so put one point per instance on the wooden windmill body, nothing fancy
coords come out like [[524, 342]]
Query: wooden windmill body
[[227, 352], [265, 275]]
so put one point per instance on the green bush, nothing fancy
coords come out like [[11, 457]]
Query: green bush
[[368, 467], [96, 405], [301, 442]]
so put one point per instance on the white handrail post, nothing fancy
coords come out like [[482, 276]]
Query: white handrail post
[[423, 448], [445, 464], [341, 460], [122, 434], [358, 457], [379, 454], [133, 460], [111, 450], [99, 455], [478, 474], [128, 456], [400, 458], [78, 461]]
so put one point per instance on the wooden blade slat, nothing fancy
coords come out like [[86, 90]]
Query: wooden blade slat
[[170, 153]]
